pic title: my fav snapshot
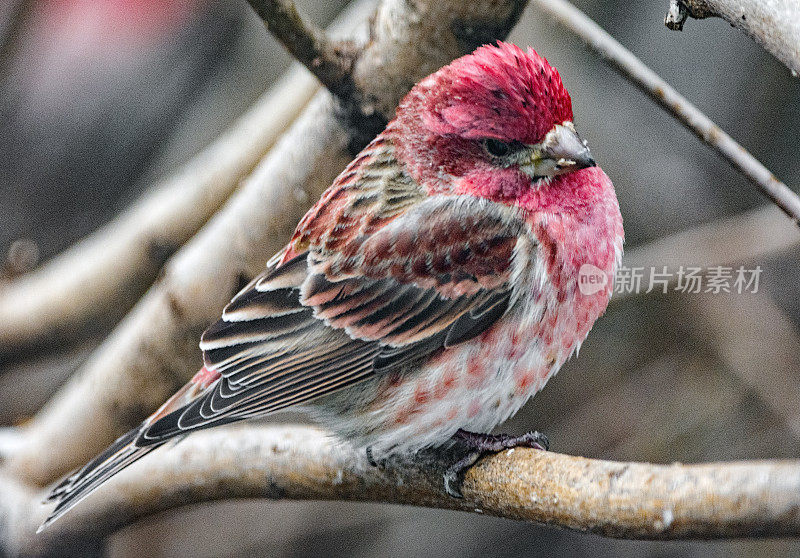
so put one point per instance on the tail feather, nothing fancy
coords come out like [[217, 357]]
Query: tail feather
[[77, 486], [70, 480], [126, 450]]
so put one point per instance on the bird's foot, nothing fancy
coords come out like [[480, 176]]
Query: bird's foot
[[479, 445]]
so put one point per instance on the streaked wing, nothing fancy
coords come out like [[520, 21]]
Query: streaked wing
[[302, 330]]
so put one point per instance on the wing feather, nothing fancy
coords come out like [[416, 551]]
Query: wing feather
[[312, 326]]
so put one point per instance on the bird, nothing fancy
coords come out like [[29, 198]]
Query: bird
[[446, 274]]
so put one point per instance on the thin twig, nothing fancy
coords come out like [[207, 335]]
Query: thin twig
[[774, 24], [630, 500], [673, 102], [330, 61]]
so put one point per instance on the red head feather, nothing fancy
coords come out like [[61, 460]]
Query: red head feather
[[499, 92]]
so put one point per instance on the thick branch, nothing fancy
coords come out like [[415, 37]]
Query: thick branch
[[629, 500], [330, 61], [154, 349], [96, 281], [774, 24], [673, 102]]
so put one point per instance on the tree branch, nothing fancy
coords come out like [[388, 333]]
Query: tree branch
[[331, 61], [673, 102], [154, 350], [773, 24], [630, 500], [96, 281]]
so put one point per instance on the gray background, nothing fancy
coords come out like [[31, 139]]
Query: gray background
[[87, 124]]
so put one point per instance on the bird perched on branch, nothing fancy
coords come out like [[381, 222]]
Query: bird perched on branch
[[442, 279]]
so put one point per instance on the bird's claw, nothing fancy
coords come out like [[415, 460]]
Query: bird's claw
[[455, 473], [481, 444], [492, 443]]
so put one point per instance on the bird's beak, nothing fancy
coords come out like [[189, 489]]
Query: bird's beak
[[561, 152]]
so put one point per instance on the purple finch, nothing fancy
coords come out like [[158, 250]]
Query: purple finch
[[431, 291]]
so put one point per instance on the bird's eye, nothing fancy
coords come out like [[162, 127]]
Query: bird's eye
[[496, 148]]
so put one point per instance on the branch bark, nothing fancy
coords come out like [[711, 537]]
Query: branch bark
[[673, 102], [331, 61], [773, 24], [153, 350], [96, 281], [630, 500]]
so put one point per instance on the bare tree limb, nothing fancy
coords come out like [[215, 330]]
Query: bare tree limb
[[629, 500], [96, 281], [331, 61], [673, 102], [154, 349], [773, 24]]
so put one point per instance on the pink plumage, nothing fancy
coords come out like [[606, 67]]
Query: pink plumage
[[433, 289], [497, 92]]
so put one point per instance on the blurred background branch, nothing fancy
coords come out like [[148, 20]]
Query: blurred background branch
[[96, 281], [693, 377], [738, 239]]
